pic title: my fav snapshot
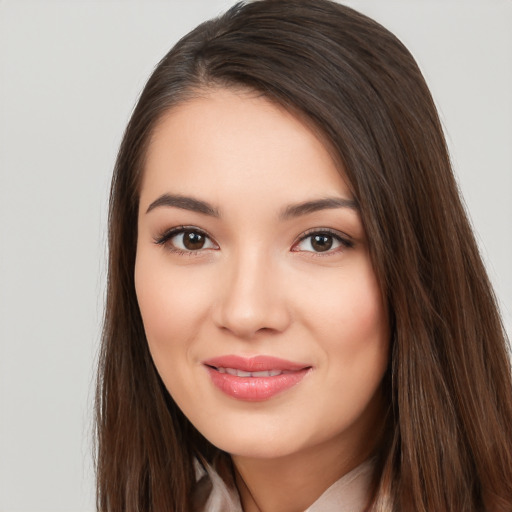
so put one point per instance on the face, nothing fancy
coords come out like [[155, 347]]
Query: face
[[259, 301]]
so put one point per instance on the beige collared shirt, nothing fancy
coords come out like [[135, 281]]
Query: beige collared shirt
[[216, 491]]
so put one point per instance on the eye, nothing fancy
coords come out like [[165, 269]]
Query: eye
[[322, 241], [186, 240]]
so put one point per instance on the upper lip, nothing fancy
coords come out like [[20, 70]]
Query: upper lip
[[255, 364]]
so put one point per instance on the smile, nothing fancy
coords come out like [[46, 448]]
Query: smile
[[242, 373], [254, 379]]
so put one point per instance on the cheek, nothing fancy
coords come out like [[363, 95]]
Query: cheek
[[352, 331], [351, 314], [355, 334], [171, 304]]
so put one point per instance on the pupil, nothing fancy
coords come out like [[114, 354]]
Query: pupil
[[321, 242], [193, 240]]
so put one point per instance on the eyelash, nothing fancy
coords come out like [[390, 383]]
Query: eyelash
[[345, 242], [165, 238]]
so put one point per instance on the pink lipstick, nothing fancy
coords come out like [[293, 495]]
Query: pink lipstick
[[255, 378]]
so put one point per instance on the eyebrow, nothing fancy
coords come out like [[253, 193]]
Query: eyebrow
[[291, 211], [296, 210], [185, 203]]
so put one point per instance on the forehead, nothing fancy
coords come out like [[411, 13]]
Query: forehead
[[230, 142]]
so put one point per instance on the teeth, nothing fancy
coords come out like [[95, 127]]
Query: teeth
[[269, 373], [261, 374], [241, 373]]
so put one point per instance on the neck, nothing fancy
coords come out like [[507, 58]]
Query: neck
[[292, 483]]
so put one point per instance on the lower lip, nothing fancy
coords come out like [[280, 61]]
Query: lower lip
[[255, 389]]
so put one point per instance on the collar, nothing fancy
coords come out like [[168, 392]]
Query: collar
[[215, 489]]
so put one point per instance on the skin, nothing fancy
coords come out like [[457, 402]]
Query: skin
[[258, 286]]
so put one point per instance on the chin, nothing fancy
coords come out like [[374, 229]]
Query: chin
[[257, 448], [254, 441]]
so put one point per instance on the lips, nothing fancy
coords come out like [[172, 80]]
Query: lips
[[256, 378]]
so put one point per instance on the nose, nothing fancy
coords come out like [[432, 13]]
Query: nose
[[252, 298]]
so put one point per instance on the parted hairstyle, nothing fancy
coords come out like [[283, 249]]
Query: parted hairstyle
[[448, 443]]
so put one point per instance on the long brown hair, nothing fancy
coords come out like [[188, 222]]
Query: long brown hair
[[449, 443]]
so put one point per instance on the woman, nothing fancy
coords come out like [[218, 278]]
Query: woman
[[297, 313]]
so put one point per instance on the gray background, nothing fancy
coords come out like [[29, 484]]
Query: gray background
[[70, 72]]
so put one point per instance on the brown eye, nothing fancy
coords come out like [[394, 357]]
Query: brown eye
[[193, 241], [186, 240], [321, 243]]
